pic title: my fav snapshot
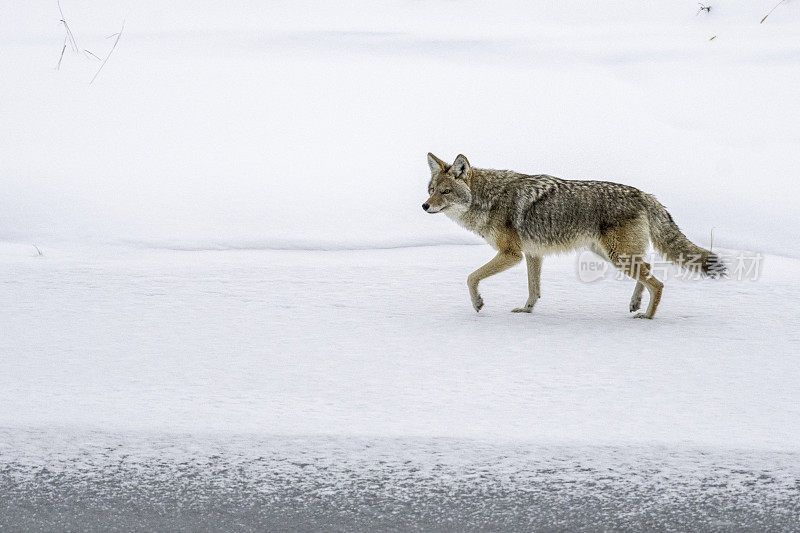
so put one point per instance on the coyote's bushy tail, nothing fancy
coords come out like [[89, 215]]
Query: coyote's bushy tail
[[673, 244]]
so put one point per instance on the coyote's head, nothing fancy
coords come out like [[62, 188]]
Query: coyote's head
[[449, 185]]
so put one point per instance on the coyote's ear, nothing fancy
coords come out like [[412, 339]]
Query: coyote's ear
[[461, 167], [435, 163]]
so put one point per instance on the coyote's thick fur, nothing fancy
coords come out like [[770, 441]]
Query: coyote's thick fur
[[539, 215]]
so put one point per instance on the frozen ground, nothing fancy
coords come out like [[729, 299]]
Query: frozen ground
[[358, 389]]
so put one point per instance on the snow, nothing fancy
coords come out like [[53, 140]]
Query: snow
[[218, 245], [276, 126], [385, 343]]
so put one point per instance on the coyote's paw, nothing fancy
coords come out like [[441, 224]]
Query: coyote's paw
[[642, 315], [528, 307], [636, 304], [477, 302]]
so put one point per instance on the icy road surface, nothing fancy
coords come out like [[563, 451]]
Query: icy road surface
[[358, 389]]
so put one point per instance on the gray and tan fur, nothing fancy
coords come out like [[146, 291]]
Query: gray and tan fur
[[537, 215]]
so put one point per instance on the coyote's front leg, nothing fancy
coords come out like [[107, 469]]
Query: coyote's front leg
[[502, 261], [534, 283]]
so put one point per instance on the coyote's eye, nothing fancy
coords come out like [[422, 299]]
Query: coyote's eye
[[446, 191]]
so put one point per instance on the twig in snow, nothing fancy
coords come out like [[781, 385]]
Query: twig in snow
[[64, 49], [72, 40], [91, 54], [703, 7], [714, 37], [38, 251], [109, 53], [770, 11], [711, 248]]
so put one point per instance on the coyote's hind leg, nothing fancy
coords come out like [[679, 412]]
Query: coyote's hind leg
[[640, 271], [636, 298], [625, 247], [654, 287]]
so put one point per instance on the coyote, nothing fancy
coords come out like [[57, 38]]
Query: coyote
[[537, 215]]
